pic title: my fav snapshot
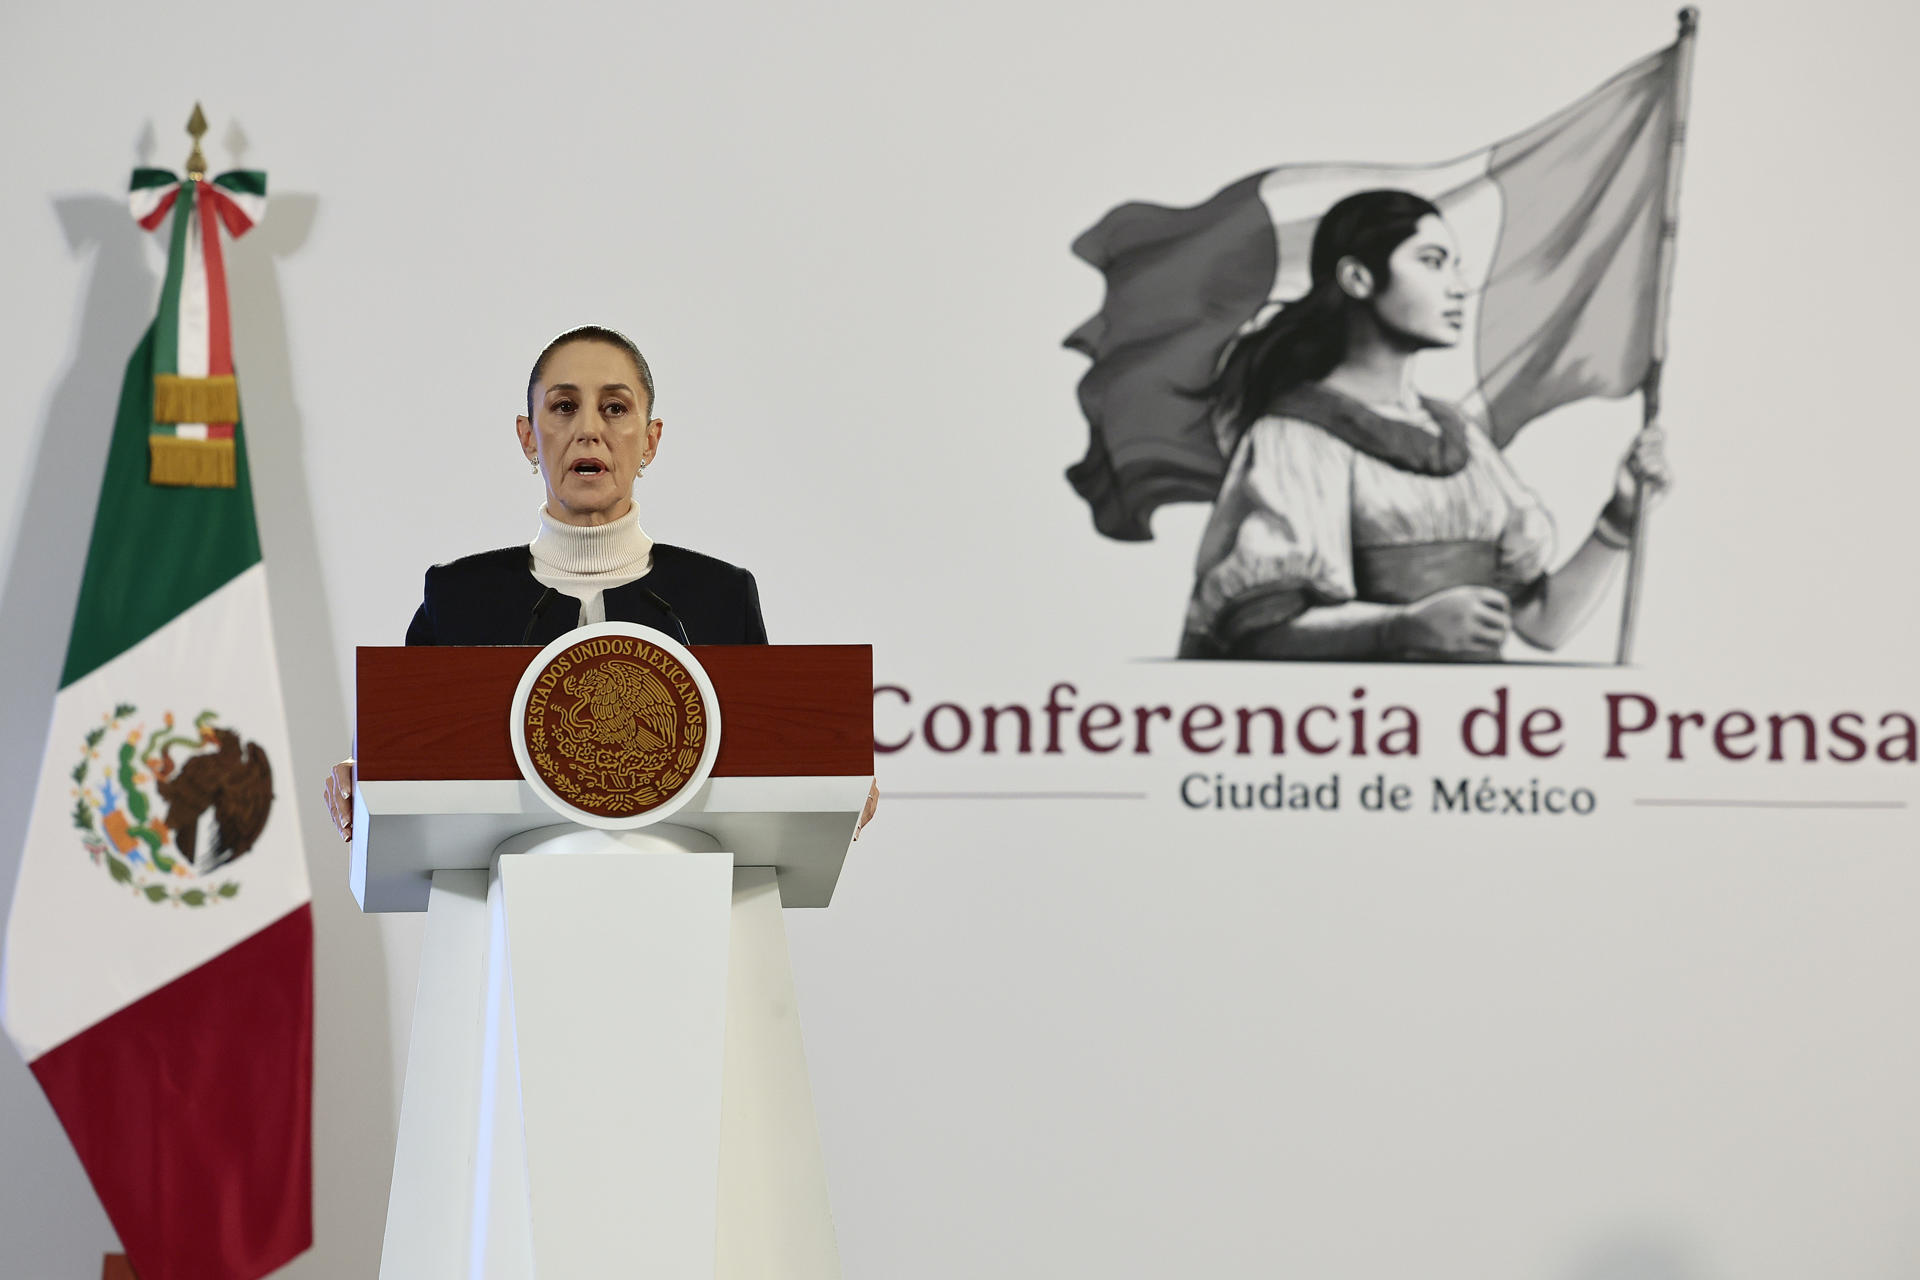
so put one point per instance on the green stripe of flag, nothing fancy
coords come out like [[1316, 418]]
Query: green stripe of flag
[[156, 550], [144, 178]]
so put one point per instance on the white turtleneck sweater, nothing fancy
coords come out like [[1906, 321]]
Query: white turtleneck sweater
[[585, 562]]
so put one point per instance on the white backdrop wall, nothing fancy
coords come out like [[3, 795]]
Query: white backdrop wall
[[1064, 1037]]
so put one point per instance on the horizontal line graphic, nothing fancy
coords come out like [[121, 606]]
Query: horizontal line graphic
[[1770, 804], [1013, 795]]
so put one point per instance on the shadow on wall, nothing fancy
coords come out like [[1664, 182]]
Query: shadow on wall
[[353, 1087], [50, 1220], [49, 1217], [1636, 1257]]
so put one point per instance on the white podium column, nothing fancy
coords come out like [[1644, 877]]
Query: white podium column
[[430, 1206], [606, 1074], [775, 1222], [618, 969]]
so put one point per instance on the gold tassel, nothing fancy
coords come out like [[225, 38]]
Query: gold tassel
[[197, 464], [178, 399]]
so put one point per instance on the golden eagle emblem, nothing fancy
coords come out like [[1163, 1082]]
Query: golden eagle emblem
[[615, 725], [623, 708]]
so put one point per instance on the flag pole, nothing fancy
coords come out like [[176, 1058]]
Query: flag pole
[[1663, 289]]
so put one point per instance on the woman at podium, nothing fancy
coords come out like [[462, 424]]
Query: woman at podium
[[590, 434]]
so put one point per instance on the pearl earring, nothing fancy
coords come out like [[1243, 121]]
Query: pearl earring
[[536, 468]]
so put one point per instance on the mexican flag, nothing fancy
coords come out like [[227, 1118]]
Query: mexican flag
[[1560, 231], [158, 965]]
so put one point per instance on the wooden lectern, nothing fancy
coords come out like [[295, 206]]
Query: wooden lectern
[[605, 1074]]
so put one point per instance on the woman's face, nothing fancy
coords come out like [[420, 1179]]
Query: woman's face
[[1424, 303], [591, 432]]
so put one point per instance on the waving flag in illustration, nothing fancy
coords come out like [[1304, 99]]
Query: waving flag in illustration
[[1562, 227]]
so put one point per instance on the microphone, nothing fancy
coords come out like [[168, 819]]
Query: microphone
[[539, 607], [667, 609]]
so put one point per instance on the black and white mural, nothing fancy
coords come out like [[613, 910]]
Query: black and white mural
[[1336, 357]]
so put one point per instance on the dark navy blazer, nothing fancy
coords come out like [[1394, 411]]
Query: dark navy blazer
[[489, 598]]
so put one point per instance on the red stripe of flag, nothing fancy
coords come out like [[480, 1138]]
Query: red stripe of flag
[[191, 1110], [238, 223], [219, 331], [152, 220]]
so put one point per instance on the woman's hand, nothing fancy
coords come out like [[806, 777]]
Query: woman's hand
[[1643, 471], [1642, 478], [339, 795], [866, 814], [1464, 620]]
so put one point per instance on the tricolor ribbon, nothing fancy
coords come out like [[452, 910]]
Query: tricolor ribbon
[[195, 401]]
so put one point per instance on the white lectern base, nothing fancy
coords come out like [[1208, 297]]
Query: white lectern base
[[606, 1075]]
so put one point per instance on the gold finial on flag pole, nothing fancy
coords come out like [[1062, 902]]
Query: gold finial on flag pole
[[196, 162]]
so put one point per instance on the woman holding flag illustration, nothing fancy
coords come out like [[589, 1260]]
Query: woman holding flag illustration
[[1359, 519]]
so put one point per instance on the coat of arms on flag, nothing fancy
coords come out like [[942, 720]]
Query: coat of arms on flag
[[1256, 352], [161, 914], [160, 821]]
